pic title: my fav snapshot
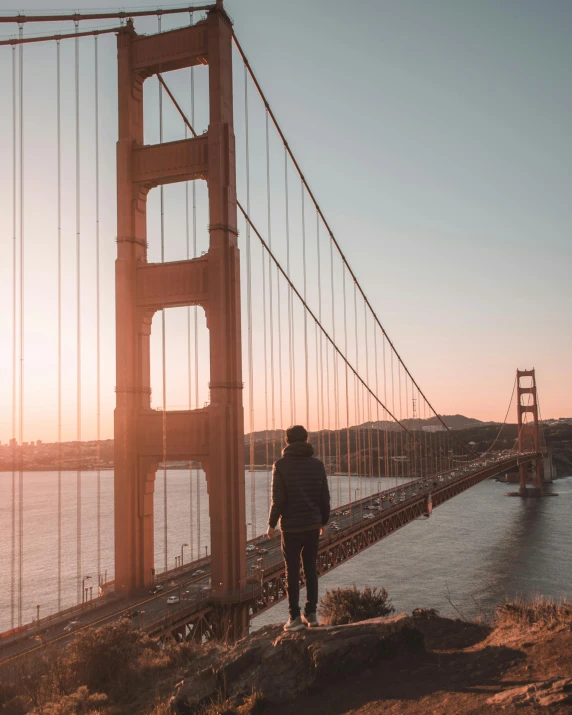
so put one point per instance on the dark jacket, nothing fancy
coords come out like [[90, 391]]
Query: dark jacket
[[300, 494]]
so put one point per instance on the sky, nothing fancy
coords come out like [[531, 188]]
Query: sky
[[435, 136]]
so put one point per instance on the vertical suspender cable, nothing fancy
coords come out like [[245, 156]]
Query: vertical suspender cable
[[386, 436], [270, 296], [335, 367], [369, 436], [402, 434], [319, 423], [195, 316], [348, 441], [59, 131], [394, 435], [21, 385], [320, 371], [78, 315], [328, 411], [378, 470], [163, 344], [97, 309], [357, 392], [249, 318], [14, 337], [188, 245], [290, 326], [304, 270], [266, 442], [279, 322]]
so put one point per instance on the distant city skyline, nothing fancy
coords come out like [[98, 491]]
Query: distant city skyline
[[436, 142]]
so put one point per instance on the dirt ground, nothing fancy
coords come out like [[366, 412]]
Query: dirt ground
[[465, 664]]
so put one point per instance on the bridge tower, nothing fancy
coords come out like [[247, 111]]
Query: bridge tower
[[528, 434], [213, 435]]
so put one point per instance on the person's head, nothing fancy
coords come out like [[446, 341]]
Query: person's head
[[296, 433]]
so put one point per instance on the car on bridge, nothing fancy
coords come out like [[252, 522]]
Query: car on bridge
[[250, 548], [172, 600], [199, 572], [72, 626]]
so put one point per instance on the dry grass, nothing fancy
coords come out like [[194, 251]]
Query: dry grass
[[351, 605], [540, 611], [252, 704], [112, 669]]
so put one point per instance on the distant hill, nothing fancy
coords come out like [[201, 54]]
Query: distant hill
[[455, 422]]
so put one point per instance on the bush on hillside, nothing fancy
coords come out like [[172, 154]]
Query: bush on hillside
[[98, 670], [115, 659], [538, 611], [350, 605]]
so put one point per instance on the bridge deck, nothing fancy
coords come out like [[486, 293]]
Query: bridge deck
[[359, 526]]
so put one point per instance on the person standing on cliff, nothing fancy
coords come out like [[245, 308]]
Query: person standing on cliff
[[301, 500]]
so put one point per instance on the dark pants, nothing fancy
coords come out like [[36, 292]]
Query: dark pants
[[305, 543]]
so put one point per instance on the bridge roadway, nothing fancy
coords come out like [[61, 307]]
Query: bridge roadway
[[352, 528]]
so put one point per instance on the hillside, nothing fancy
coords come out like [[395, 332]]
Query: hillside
[[399, 665]]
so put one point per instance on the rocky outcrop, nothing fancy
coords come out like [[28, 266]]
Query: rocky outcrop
[[545, 693], [281, 666]]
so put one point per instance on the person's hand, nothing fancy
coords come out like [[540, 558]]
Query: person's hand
[[321, 531], [271, 533]]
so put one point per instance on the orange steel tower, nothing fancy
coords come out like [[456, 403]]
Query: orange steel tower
[[528, 434], [213, 435]]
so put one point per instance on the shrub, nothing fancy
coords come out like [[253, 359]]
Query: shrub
[[115, 659], [350, 605], [538, 611], [79, 703]]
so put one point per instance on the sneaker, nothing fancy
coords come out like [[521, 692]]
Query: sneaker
[[311, 620], [294, 624]]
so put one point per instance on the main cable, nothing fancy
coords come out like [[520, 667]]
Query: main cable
[[327, 226]]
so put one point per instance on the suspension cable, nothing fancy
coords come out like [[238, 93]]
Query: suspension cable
[[324, 332], [329, 230], [266, 438], [270, 296], [335, 368], [57, 37], [21, 385], [59, 180], [249, 319], [289, 293], [97, 308], [348, 441], [293, 287], [119, 14], [163, 342], [189, 370], [320, 372], [78, 318], [14, 339], [304, 270]]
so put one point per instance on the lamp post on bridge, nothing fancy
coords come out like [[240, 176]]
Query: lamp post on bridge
[[84, 589], [182, 547]]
